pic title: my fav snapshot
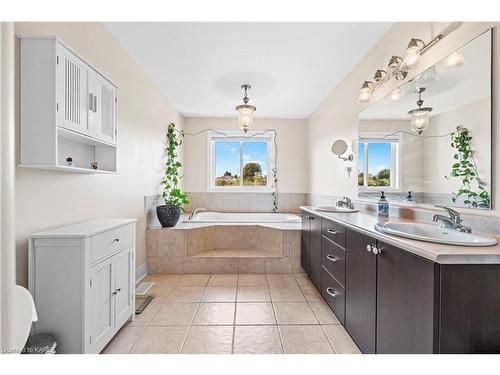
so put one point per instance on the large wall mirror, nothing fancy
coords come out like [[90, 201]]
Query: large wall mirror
[[429, 141]]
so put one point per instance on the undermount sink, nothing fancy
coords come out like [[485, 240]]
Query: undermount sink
[[434, 233], [336, 209]]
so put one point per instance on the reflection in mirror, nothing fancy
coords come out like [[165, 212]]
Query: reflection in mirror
[[429, 141], [339, 147]]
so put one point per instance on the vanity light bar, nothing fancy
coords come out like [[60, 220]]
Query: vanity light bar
[[398, 67]]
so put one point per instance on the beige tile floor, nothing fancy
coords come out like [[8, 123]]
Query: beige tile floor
[[230, 313]]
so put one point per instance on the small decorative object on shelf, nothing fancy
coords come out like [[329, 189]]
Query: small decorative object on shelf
[[69, 161], [93, 164], [169, 213]]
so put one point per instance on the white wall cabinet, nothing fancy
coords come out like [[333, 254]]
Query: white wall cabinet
[[82, 278], [68, 109]]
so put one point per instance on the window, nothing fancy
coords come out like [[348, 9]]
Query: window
[[378, 161], [240, 162]]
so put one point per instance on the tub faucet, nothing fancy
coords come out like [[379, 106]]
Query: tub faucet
[[345, 202], [452, 221], [193, 213]]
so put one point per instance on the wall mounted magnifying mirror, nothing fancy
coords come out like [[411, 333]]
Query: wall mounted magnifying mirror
[[432, 135], [339, 148]]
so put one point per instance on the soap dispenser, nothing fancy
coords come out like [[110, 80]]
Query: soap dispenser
[[383, 206]]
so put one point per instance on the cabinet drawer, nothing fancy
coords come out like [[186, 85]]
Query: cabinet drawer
[[333, 293], [333, 231], [333, 259], [106, 243]]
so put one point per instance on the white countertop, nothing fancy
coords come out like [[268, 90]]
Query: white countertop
[[444, 254], [84, 229]]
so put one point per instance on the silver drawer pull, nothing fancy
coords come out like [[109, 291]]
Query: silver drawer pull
[[331, 292], [331, 231], [331, 257], [369, 248]]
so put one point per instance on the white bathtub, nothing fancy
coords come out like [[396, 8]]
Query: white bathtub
[[243, 217]]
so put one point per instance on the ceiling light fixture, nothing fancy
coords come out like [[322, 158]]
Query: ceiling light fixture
[[245, 111], [420, 116], [398, 67]]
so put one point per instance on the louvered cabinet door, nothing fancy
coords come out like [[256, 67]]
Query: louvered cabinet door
[[72, 92]]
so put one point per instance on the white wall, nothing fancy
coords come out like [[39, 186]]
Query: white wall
[[47, 199], [291, 139], [439, 155], [337, 116]]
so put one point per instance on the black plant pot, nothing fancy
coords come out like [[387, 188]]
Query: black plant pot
[[168, 215]]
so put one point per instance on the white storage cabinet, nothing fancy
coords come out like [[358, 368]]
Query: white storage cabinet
[[68, 109], [82, 278]]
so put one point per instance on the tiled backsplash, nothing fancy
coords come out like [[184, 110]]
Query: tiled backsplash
[[229, 202], [480, 223]]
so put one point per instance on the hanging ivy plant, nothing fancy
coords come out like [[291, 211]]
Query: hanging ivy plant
[[472, 191], [172, 194]]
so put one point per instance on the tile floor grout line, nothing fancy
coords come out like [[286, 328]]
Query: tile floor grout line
[[234, 315], [328, 339]]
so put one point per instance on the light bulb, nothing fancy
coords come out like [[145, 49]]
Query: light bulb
[[365, 92], [455, 60], [413, 52], [395, 95]]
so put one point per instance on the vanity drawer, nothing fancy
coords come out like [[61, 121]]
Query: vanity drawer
[[333, 259], [333, 293], [106, 243], [333, 231]]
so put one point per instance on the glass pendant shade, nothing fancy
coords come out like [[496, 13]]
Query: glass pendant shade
[[420, 119], [245, 116]]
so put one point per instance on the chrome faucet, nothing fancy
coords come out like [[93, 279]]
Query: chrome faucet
[[345, 202], [452, 221], [193, 213]]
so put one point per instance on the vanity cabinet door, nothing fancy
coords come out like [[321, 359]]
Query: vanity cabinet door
[[124, 288], [361, 290], [304, 253], [315, 251], [406, 302], [102, 307]]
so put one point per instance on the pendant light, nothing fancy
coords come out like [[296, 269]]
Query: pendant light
[[245, 111], [420, 116]]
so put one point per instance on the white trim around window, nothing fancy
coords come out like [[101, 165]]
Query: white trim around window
[[240, 136], [396, 163]]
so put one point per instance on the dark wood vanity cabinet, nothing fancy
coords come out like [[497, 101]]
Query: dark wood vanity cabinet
[[407, 303], [361, 291], [393, 301], [311, 247]]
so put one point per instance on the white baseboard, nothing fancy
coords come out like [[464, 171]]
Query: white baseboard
[[141, 272]]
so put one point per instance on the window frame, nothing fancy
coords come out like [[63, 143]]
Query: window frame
[[396, 141], [240, 136]]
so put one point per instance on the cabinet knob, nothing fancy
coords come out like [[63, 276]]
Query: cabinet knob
[[331, 231], [331, 292], [376, 250], [331, 257], [116, 240], [369, 248]]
